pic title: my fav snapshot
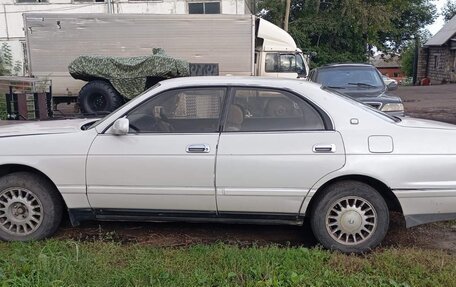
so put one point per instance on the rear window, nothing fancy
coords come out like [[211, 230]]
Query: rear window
[[346, 77]]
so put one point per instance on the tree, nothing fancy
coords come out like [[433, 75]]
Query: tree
[[410, 17], [7, 67], [409, 50], [407, 58], [17, 69], [286, 18], [449, 10], [6, 60], [348, 30]]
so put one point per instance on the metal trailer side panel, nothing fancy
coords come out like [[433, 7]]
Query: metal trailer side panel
[[54, 40]]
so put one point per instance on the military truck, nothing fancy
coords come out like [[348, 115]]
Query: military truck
[[237, 44]]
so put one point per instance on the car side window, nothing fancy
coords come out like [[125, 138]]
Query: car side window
[[284, 63], [257, 110], [193, 110], [271, 63]]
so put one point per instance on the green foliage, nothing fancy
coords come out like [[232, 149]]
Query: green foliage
[[408, 21], [449, 10], [348, 30], [409, 50], [106, 263], [407, 58], [7, 67], [17, 69], [272, 10], [6, 57]]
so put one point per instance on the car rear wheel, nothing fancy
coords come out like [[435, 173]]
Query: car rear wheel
[[351, 217], [30, 208]]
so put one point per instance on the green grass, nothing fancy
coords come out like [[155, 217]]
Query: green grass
[[71, 263]]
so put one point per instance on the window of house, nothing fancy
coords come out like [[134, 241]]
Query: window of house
[[436, 60], [204, 8], [32, 1], [190, 110], [453, 52], [88, 1], [257, 110]]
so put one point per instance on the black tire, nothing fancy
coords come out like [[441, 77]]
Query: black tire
[[361, 226], [34, 191], [99, 96]]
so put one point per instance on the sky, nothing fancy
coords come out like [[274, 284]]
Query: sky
[[435, 27]]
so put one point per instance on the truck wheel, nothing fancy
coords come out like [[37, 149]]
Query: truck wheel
[[351, 217], [99, 96], [30, 207]]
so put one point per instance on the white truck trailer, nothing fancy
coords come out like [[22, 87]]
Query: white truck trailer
[[239, 44]]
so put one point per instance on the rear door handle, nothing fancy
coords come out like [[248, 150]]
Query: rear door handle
[[324, 148], [198, 148]]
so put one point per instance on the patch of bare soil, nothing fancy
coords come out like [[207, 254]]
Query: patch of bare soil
[[441, 235], [431, 236]]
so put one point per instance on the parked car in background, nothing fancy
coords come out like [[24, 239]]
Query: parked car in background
[[387, 80], [362, 82], [233, 150]]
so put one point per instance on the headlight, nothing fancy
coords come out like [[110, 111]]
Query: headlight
[[393, 108]]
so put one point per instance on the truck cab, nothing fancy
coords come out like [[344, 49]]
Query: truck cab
[[276, 53]]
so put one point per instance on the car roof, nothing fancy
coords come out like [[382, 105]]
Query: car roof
[[266, 82], [345, 65]]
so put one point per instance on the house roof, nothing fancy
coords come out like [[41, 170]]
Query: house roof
[[386, 61], [444, 34]]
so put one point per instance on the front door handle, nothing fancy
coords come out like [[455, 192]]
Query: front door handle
[[324, 148], [198, 148]]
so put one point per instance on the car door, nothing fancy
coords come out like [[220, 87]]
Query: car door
[[274, 148], [166, 162]]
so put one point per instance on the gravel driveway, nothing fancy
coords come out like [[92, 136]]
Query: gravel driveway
[[430, 102]]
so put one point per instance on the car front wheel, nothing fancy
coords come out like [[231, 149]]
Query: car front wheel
[[351, 217], [30, 208]]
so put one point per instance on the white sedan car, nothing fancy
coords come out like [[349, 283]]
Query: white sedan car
[[387, 80], [233, 150]]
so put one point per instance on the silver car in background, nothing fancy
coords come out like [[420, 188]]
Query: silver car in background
[[232, 150]]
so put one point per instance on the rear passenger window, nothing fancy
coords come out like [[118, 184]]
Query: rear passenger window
[[255, 110]]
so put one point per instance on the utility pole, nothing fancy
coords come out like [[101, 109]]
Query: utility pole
[[415, 60], [287, 14]]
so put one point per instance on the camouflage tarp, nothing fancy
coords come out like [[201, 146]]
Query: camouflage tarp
[[128, 75]]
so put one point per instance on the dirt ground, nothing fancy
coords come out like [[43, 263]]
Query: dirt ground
[[430, 236], [430, 102], [433, 102]]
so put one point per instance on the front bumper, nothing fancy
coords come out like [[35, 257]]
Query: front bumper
[[426, 206]]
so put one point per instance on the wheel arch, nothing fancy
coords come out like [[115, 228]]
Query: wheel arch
[[384, 190], [6, 169]]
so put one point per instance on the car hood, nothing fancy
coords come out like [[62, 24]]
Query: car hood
[[425, 124], [358, 93], [42, 127], [370, 95], [383, 98]]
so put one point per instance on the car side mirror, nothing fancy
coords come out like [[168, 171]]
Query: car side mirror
[[121, 126], [392, 86]]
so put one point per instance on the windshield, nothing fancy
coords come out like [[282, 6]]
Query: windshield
[[362, 105], [350, 77]]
